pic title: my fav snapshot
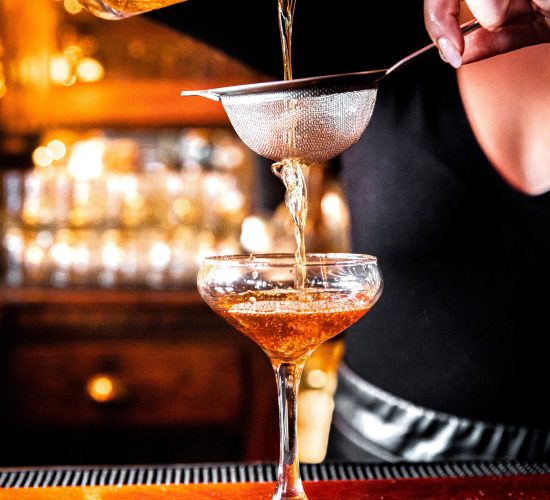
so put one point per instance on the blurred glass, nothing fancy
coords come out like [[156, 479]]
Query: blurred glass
[[60, 66], [119, 9], [124, 209]]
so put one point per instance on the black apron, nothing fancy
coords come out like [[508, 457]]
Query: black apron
[[461, 328]]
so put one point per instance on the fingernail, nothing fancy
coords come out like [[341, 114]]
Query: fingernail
[[449, 53]]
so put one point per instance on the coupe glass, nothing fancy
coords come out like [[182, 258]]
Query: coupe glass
[[289, 310]]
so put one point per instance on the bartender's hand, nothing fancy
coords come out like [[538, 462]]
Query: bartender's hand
[[506, 25]]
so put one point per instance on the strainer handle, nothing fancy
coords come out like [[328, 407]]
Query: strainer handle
[[464, 29], [202, 93]]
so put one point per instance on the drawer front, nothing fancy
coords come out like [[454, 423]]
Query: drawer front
[[127, 382]]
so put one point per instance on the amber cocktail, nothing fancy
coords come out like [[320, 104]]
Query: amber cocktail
[[289, 309]]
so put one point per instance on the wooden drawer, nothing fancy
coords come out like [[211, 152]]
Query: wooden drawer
[[154, 382]]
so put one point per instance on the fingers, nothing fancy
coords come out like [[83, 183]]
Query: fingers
[[441, 19], [542, 7], [508, 25], [491, 14], [483, 43]]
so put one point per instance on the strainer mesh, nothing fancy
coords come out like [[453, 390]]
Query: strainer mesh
[[311, 124]]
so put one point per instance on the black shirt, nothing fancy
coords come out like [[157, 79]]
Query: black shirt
[[328, 36], [462, 325]]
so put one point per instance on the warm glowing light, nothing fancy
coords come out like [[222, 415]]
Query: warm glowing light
[[81, 258], [331, 203], [254, 235], [61, 70], [101, 388], [3, 88], [111, 255], [57, 148], [31, 212], [34, 255], [173, 183], [44, 239], [42, 156], [317, 378], [134, 201], [128, 183], [160, 255], [182, 207], [86, 160], [13, 240], [334, 209], [213, 185], [89, 69], [62, 253], [230, 202], [72, 6], [73, 53]]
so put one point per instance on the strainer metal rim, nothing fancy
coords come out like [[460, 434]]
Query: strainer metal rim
[[333, 83]]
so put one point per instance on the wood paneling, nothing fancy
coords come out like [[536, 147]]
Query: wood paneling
[[175, 365]]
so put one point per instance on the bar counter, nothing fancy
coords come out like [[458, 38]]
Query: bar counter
[[458, 480]]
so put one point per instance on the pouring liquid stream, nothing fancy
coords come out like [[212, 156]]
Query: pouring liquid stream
[[290, 170], [286, 18]]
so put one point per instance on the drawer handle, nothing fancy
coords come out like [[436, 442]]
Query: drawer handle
[[105, 388]]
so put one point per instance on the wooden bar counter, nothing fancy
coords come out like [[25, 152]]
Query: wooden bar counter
[[525, 487], [327, 481]]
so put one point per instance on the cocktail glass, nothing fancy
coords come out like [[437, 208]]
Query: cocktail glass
[[289, 309]]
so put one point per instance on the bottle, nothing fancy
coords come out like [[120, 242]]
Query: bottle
[[119, 9]]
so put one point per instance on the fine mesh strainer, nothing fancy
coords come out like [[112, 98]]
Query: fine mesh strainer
[[309, 119], [312, 119]]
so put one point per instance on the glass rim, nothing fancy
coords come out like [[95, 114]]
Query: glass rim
[[289, 259]]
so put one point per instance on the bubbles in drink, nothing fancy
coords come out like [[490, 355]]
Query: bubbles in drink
[[289, 324]]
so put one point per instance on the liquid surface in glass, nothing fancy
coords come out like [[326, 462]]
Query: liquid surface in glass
[[289, 324]]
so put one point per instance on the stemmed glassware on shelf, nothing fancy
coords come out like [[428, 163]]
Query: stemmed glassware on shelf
[[289, 309]]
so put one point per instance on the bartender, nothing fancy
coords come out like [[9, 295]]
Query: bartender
[[449, 188]]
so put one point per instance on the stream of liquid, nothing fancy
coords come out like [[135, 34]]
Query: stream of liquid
[[290, 170], [286, 18]]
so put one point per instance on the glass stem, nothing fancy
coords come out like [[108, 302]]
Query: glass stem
[[289, 484]]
